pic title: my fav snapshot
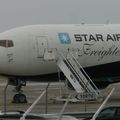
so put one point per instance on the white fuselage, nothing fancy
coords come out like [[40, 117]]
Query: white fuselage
[[91, 44]]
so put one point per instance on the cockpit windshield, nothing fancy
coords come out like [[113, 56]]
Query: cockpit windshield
[[6, 43]]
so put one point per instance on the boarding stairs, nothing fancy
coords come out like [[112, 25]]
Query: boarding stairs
[[76, 75]]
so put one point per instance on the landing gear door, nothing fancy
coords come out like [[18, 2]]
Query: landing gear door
[[42, 45]]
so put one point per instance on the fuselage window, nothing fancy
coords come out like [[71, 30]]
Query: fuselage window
[[6, 43]]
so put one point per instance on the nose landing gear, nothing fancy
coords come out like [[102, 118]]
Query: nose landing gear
[[18, 83]]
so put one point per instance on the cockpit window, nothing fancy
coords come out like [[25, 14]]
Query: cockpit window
[[6, 43]]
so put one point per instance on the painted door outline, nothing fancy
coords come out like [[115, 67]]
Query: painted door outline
[[42, 45]]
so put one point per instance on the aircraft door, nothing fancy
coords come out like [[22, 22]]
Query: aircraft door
[[42, 45]]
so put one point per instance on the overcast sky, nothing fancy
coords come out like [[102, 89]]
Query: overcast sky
[[15, 13]]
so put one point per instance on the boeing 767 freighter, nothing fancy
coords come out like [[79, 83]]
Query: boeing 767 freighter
[[34, 50]]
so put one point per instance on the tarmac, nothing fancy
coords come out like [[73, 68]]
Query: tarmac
[[34, 89]]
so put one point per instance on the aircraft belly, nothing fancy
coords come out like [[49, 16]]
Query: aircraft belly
[[110, 69], [31, 69]]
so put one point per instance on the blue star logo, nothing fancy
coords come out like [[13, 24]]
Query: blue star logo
[[64, 38]]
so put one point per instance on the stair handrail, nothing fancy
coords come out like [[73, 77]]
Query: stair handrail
[[86, 82], [85, 73], [83, 84]]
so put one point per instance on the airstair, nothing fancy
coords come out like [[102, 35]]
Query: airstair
[[76, 75]]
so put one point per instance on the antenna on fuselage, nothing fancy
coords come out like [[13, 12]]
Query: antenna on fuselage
[[108, 22]]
